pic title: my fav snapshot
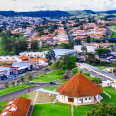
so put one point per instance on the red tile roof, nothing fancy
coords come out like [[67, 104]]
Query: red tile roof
[[17, 107], [79, 86], [23, 58]]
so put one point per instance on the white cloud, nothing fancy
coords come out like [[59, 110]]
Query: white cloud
[[36, 5]]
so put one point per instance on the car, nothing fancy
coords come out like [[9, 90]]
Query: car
[[52, 83], [1, 88], [30, 82]]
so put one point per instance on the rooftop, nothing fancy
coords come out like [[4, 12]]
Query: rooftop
[[79, 86]]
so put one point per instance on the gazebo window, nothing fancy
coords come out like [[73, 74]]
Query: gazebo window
[[85, 98], [89, 98]]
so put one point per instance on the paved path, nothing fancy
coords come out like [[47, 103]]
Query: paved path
[[21, 92]]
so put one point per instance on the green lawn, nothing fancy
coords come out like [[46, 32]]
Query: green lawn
[[52, 88], [62, 81], [113, 27], [59, 109], [48, 77], [2, 105], [113, 34], [111, 92], [12, 89], [81, 110]]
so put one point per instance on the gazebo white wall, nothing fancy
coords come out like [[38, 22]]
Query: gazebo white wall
[[79, 100]]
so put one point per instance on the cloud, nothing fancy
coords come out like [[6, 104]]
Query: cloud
[[36, 5]]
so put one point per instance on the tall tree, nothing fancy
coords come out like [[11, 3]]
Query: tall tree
[[34, 45]]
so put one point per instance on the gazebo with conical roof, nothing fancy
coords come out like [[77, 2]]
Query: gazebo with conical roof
[[79, 90]]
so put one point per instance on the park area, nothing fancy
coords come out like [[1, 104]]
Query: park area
[[59, 109]]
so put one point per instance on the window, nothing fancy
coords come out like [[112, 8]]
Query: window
[[85, 98], [89, 98]]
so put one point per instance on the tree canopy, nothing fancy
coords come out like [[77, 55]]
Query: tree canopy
[[102, 110], [101, 51]]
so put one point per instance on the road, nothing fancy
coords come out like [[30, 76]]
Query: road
[[23, 91], [31, 34], [109, 33]]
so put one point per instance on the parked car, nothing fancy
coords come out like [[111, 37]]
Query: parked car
[[3, 77], [53, 83], [1, 88]]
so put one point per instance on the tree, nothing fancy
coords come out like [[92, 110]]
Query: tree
[[102, 51], [13, 83], [102, 110], [22, 79], [65, 62], [20, 46], [34, 45], [6, 85], [66, 46], [75, 71], [30, 77], [84, 49], [96, 80], [50, 55]]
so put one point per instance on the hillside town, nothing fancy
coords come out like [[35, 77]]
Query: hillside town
[[57, 66]]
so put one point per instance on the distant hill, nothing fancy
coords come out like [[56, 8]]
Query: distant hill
[[56, 14], [89, 11], [110, 12], [35, 13]]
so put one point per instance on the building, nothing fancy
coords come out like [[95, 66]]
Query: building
[[80, 91], [39, 61], [17, 107], [78, 48], [61, 52], [33, 54]]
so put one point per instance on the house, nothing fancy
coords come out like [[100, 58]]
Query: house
[[79, 90], [39, 61], [78, 48], [23, 58], [17, 107]]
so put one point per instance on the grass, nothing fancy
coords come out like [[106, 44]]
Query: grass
[[113, 34], [81, 110], [57, 109], [12, 89], [52, 88], [48, 77], [111, 92], [62, 81], [113, 27], [60, 109], [2, 105]]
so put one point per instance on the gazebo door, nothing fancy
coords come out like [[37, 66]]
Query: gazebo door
[[70, 99]]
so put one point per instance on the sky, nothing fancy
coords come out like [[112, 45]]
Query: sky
[[65, 5]]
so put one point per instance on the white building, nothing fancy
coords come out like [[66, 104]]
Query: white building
[[62, 52], [34, 54], [78, 48], [80, 91]]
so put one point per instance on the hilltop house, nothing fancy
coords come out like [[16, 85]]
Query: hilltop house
[[79, 90]]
